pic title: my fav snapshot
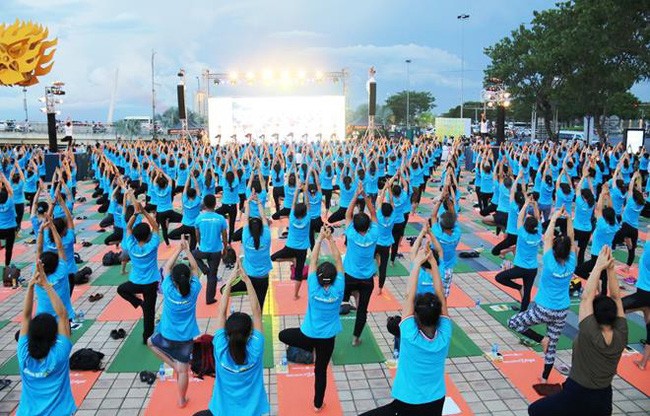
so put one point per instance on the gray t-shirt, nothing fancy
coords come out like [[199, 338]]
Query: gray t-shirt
[[593, 361]]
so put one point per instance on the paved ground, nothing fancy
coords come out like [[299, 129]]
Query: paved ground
[[484, 387]]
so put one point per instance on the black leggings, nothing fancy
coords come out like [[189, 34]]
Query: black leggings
[[20, 211], [128, 291], [399, 408], [528, 278], [115, 237], [9, 235], [582, 238], [324, 347], [484, 200], [382, 252], [292, 253], [338, 215], [638, 300], [365, 288], [314, 227], [398, 233], [327, 193], [214, 259], [584, 270], [278, 192], [230, 212], [574, 400], [282, 212], [627, 231], [184, 230], [507, 242], [260, 284], [646, 210], [164, 219]]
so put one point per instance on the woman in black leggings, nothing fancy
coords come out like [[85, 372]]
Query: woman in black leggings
[[640, 301], [322, 323], [385, 219], [7, 218]]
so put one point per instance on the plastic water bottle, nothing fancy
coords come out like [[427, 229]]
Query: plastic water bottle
[[81, 316], [478, 302], [396, 355], [161, 372], [284, 367], [495, 350], [481, 248], [232, 309]]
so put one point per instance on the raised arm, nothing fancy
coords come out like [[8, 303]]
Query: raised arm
[[252, 298], [409, 301], [593, 283]]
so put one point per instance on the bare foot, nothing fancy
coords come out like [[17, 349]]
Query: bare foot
[[182, 402], [544, 343], [319, 409], [380, 290], [640, 364], [356, 341], [296, 297]]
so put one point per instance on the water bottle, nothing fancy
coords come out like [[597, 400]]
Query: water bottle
[[284, 367], [81, 316], [161, 372], [481, 247], [232, 309], [478, 302], [495, 350], [396, 355]]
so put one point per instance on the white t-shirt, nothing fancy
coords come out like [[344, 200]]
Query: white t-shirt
[[68, 130], [484, 126]]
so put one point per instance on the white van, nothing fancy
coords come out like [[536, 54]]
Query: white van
[[571, 135]]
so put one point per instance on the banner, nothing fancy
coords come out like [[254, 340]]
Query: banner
[[453, 127]]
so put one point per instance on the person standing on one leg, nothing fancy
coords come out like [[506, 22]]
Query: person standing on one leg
[[212, 237], [141, 245], [641, 301], [322, 323], [385, 219]]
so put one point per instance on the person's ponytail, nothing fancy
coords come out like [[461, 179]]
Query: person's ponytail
[[238, 328], [181, 278]]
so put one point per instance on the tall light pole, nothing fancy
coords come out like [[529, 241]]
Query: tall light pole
[[408, 94], [462, 17], [25, 105], [153, 96]]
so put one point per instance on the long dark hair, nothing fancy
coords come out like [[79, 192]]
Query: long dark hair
[[238, 329], [255, 227], [181, 277], [41, 335]]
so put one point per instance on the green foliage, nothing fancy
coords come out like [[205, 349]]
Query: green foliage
[[169, 119], [419, 102], [128, 128], [359, 116]]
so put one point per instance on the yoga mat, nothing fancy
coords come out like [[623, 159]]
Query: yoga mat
[[385, 302], [458, 298], [296, 392], [78, 293], [164, 397], [112, 276], [283, 296], [397, 270], [11, 366], [164, 251], [463, 247], [633, 272], [134, 356], [631, 373], [412, 230], [463, 266], [19, 249], [489, 237], [524, 369], [120, 310], [490, 277], [503, 311], [7, 292], [461, 344], [94, 227], [267, 321], [345, 353], [99, 239], [3, 324], [622, 255], [204, 311]]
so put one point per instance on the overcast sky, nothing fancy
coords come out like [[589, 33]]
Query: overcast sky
[[96, 37]]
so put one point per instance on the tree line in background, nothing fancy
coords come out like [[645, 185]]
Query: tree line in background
[[393, 111], [582, 56], [163, 122]]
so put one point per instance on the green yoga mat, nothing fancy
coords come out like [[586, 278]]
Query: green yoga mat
[[267, 321], [463, 267], [412, 230], [3, 324], [397, 270], [134, 356], [622, 256], [11, 366], [112, 277], [461, 344], [635, 332], [345, 353], [564, 343], [99, 239]]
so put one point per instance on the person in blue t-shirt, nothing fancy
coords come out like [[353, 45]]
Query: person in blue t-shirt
[[141, 245], [43, 353], [629, 232], [584, 211], [18, 184], [238, 358], [8, 223], [229, 198], [315, 198], [295, 249], [165, 213], [326, 285], [385, 212], [509, 242], [212, 239], [640, 301], [552, 301], [191, 204], [529, 236], [425, 331], [361, 235], [174, 339]]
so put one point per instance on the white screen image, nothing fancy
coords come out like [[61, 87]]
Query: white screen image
[[634, 139], [282, 115]]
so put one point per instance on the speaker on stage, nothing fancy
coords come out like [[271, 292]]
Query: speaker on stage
[[372, 98], [51, 132], [180, 90]]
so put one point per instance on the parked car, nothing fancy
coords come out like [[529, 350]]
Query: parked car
[[10, 125]]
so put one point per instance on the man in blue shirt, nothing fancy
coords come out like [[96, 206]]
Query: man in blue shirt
[[141, 245], [211, 235]]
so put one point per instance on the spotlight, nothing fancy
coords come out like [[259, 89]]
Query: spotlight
[[181, 73], [302, 75], [250, 76], [490, 104], [319, 75], [506, 103], [233, 77], [267, 75]]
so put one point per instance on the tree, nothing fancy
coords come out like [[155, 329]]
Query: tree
[[359, 116], [419, 102], [468, 110], [128, 128], [169, 118]]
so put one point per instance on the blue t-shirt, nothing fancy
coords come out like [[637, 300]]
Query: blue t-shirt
[[425, 282], [230, 191], [513, 217], [289, 192], [210, 225], [253, 208], [239, 389], [322, 318], [359, 261], [164, 198], [61, 285], [527, 245], [631, 212], [385, 227], [46, 383], [448, 242], [346, 195], [144, 259], [420, 375], [298, 237], [191, 210], [545, 194], [553, 287], [583, 214], [8, 214], [603, 235], [643, 282], [618, 198], [257, 261], [178, 319]]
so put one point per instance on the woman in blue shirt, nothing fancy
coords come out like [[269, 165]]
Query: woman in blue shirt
[[508, 244], [238, 357], [277, 181], [629, 232], [552, 300], [18, 185], [7, 218], [347, 188], [174, 339], [385, 213], [640, 301], [529, 236], [322, 323], [191, 205], [584, 212], [229, 198], [165, 213], [315, 199], [43, 355], [425, 333]]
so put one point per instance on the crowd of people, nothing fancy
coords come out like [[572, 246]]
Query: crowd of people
[[564, 197]]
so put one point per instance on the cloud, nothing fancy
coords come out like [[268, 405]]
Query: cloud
[[297, 35]]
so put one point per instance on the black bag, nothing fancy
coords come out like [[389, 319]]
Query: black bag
[[83, 276], [203, 356], [77, 258], [10, 276], [392, 325], [111, 258], [86, 359], [299, 356]]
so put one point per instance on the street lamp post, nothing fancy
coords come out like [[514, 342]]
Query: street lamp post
[[408, 95], [462, 18], [496, 95], [25, 106]]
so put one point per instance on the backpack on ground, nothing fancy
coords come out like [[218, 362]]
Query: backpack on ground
[[10, 276], [111, 258], [299, 356], [83, 276], [86, 359], [202, 363]]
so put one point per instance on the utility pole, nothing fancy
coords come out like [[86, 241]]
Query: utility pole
[[408, 95], [153, 96], [25, 106], [462, 18]]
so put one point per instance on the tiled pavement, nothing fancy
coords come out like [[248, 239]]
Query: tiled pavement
[[360, 387]]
